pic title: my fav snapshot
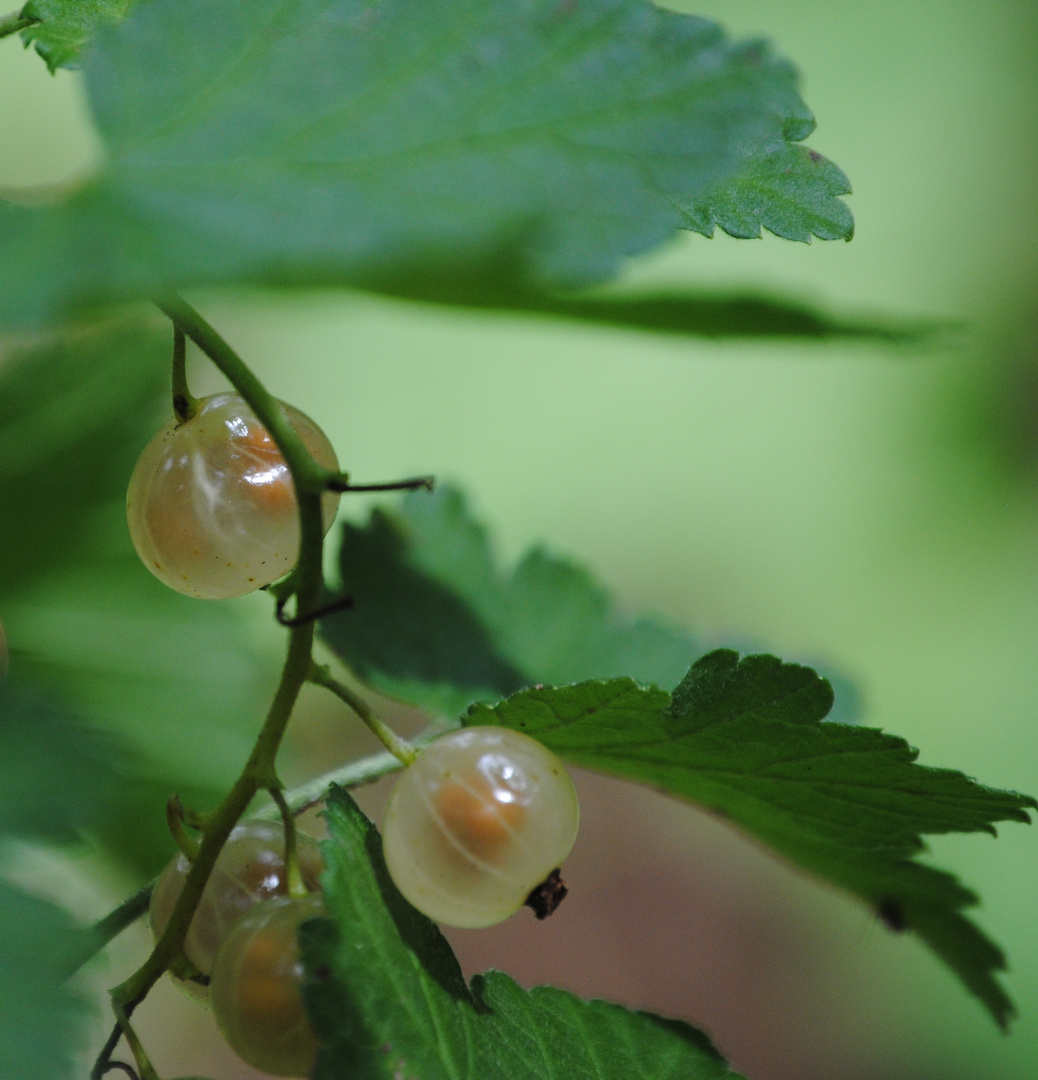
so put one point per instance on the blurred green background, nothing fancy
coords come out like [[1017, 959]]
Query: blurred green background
[[873, 512]]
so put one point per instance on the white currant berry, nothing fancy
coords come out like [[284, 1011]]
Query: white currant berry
[[480, 819], [211, 505], [249, 870], [254, 990]]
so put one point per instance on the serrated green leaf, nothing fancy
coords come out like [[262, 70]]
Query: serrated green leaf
[[42, 1020], [436, 623], [65, 26], [746, 739], [539, 144], [174, 681], [790, 191], [388, 998]]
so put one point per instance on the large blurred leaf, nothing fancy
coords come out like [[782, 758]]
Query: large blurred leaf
[[175, 679], [390, 144], [436, 623], [57, 775], [58, 779], [42, 1021], [744, 738], [75, 411], [388, 998]]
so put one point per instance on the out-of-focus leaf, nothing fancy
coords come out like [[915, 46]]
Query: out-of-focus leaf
[[694, 314], [56, 774], [388, 998], [43, 1022], [65, 26], [57, 781], [436, 623], [746, 739], [538, 145]]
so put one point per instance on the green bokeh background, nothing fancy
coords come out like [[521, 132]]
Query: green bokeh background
[[874, 512]]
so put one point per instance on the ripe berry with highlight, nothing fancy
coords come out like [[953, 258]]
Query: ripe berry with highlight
[[211, 505], [480, 819]]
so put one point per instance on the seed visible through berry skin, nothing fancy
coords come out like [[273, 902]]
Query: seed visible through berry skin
[[249, 870], [211, 506], [479, 820], [255, 988]]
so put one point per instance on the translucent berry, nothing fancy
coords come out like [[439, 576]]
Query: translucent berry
[[249, 870], [476, 823], [211, 505], [255, 984]]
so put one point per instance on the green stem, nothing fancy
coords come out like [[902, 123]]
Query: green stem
[[400, 748], [113, 924], [184, 403], [14, 23], [354, 774], [293, 877], [260, 771], [101, 1065], [365, 770], [307, 475], [175, 821], [145, 1069]]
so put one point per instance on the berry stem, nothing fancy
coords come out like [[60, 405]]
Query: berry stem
[[293, 876], [365, 770], [400, 748], [108, 928], [307, 475], [183, 401], [145, 1069], [181, 837], [414, 483], [14, 23]]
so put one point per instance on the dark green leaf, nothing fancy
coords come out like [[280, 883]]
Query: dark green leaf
[[65, 26], [436, 623], [484, 140], [57, 779], [56, 774], [42, 1021], [745, 738], [388, 998], [75, 411], [686, 313], [791, 191]]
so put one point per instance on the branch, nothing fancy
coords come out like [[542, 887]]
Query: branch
[[113, 924], [260, 771], [365, 770], [15, 23]]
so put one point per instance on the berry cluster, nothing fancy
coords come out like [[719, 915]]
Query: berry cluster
[[477, 822]]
